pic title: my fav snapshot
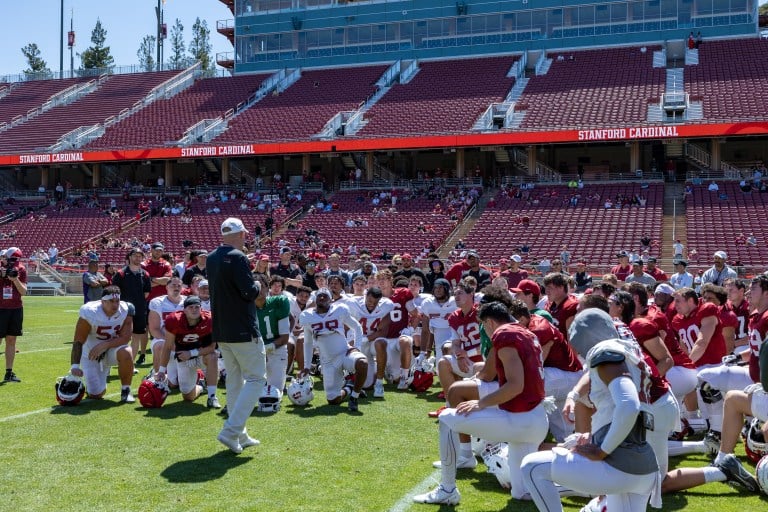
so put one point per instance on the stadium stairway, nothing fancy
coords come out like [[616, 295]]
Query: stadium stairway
[[674, 225], [444, 251]]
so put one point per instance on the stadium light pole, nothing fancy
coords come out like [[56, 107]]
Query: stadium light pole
[[61, 42]]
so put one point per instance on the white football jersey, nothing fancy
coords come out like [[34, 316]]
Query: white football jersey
[[370, 320], [438, 313], [163, 306], [102, 326], [328, 331]]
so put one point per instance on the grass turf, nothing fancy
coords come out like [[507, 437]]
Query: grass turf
[[102, 455]]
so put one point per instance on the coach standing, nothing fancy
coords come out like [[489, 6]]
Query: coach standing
[[235, 329]]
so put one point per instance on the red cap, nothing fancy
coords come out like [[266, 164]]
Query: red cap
[[527, 286], [264, 257], [406, 256]]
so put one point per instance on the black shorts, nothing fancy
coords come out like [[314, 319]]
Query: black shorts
[[139, 324], [11, 321]]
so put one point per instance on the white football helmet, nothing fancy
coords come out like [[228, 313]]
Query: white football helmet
[[496, 458], [761, 474], [269, 401], [478, 445], [300, 390]]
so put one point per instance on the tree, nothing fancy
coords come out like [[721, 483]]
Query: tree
[[37, 66], [146, 53], [200, 46], [178, 60], [97, 56]]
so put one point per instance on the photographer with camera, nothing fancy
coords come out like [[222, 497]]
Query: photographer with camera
[[13, 280]]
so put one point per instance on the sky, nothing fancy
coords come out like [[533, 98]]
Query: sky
[[126, 23]]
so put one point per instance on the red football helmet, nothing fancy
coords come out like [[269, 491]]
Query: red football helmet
[[754, 442], [69, 390], [152, 394], [422, 381]]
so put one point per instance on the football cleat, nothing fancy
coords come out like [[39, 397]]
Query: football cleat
[[70, 390], [712, 442], [231, 443], [378, 390], [126, 396], [10, 377], [435, 414], [735, 472], [300, 390], [152, 394], [213, 403], [439, 496], [352, 404]]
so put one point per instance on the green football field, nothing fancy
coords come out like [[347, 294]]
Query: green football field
[[102, 455]]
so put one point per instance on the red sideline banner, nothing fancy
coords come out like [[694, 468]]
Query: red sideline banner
[[465, 140]]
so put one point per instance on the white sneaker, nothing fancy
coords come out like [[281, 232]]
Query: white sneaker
[[247, 441], [461, 463], [231, 443], [596, 504], [378, 390], [402, 385], [439, 496]]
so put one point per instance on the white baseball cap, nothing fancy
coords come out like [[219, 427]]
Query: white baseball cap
[[722, 255], [665, 288], [232, 225], [516, 257]]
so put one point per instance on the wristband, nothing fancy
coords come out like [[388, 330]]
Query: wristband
[[75, 367], [194, 352], [573, 395], [162, 369]]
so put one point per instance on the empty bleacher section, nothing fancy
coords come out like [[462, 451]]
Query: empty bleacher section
[[395, 233], [443, 97], [117, 93], [589, 230], [716, 219], [17, 100], [731, 79], [165, 121], [595, 88], [303, 109]]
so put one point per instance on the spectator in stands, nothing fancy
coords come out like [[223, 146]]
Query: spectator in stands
[[565, 256], [581, 277], [713, 186], [557, 266], [677, 249], [94, 282], [751, 240], [691, 41], [623, 269], [545, 265], [698, 40], [53, 254], [719, 272]]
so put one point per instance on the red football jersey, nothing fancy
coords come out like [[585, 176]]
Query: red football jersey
[[620, 272], [561, 355], [688, 328], [189, 337], [529, 351], [758, 334], [679, 357], [562, 312], [399, 315], [468, 329], [742, 317], [159, 268]]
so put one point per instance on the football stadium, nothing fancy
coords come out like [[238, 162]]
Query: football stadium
[[405, 166]]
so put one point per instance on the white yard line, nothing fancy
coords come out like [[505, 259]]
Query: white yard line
[[40, 411], [425, 485], [22, 351]]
